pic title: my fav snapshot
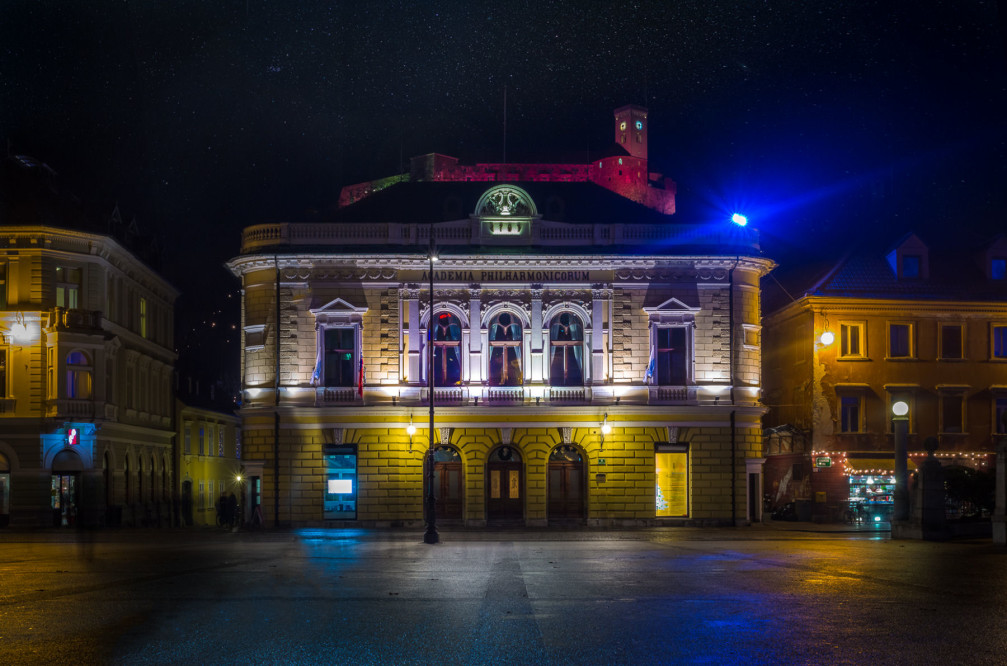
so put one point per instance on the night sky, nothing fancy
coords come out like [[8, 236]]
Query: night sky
[[818, 119]]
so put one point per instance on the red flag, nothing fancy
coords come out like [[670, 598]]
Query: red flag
[[360, 379]]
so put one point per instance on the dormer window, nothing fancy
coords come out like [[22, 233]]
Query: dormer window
[[910, 266], [998, 268]]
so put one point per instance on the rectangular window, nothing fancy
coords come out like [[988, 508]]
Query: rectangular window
[[953, 412], [187, 436], [1000, 415], [202, 441], [3, 286], [851, 409], [851, 340], [900, 340], [210, 496], [220, 441], [67, 287], [201, 501], [998, 333], [951, 342], [671, 356], [340, 493], [910, 266], [998, 268], [3, 372], [338, 357], [143, 317], [672, 470], [237, 443]]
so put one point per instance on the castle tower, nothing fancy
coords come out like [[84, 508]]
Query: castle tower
[[631, 129]]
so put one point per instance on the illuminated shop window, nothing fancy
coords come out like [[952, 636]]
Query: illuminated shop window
[[505, 351], [340, 491], [672, 489], [998, 335], [952, 337], [78, 376], [900, 340], [851, 340], [339, 356], [566, 350], [67, 287], [447, 350]]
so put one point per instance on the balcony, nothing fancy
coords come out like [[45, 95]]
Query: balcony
[[70, 408], [74, 319], [329, 395]]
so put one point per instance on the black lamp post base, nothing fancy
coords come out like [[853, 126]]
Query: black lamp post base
[[431, 536]]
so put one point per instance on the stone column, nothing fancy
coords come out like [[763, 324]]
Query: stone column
[[599, 301], [537, 374], [475, 334]]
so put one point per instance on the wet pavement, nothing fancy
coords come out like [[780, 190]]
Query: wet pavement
[[775, 593]]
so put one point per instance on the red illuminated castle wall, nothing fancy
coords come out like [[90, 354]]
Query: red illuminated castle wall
[[622, 169]]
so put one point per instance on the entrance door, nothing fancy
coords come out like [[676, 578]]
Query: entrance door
[[504, 487], [448, 483], [566, 486], [63, 498]]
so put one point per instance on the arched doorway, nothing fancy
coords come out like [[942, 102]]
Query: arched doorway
[[64, 493], [566, 486], [448, 483], [504, 486]]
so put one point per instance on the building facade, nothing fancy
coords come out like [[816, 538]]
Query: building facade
[[86, 367], [594, 361], [914, 323], [208, 452]]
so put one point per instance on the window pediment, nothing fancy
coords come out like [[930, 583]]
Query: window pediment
[[338, 310], [672, 311]]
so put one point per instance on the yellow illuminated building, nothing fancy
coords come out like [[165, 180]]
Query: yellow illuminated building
[[594, 361]]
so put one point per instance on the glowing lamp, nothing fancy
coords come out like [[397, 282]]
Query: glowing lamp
[[827, 338], [739, 219], [900, 408], [411, 430], [605, 427]]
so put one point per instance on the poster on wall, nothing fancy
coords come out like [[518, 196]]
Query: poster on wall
[[672, 498]]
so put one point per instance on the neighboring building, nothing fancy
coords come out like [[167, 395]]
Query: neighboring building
[[922, 324], [86, 365], [596, 360], [208, 451]]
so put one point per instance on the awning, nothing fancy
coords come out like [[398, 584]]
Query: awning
[[874, 465]]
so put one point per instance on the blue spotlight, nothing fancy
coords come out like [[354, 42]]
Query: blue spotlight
[[739, 219]]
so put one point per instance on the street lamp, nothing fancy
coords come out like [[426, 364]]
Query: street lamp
[[430, 535], [900, 421]]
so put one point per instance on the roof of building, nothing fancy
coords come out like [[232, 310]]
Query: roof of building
[[954, 271]]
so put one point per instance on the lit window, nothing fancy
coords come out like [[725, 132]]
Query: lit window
[[340, 351], [447, 350], [952, 412], [951, 342], [671, 356], [78, 376], [143, 317], [566, 350], [900, 340], [505, 351], [998, 334], [851, 340], [67, 287], [851, 413]]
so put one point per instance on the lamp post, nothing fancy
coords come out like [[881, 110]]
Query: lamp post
[[430, 535], [900, 419]]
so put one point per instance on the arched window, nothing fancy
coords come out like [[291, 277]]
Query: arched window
[[566, 350], [78, 376], [505, 351], [447, 332]]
